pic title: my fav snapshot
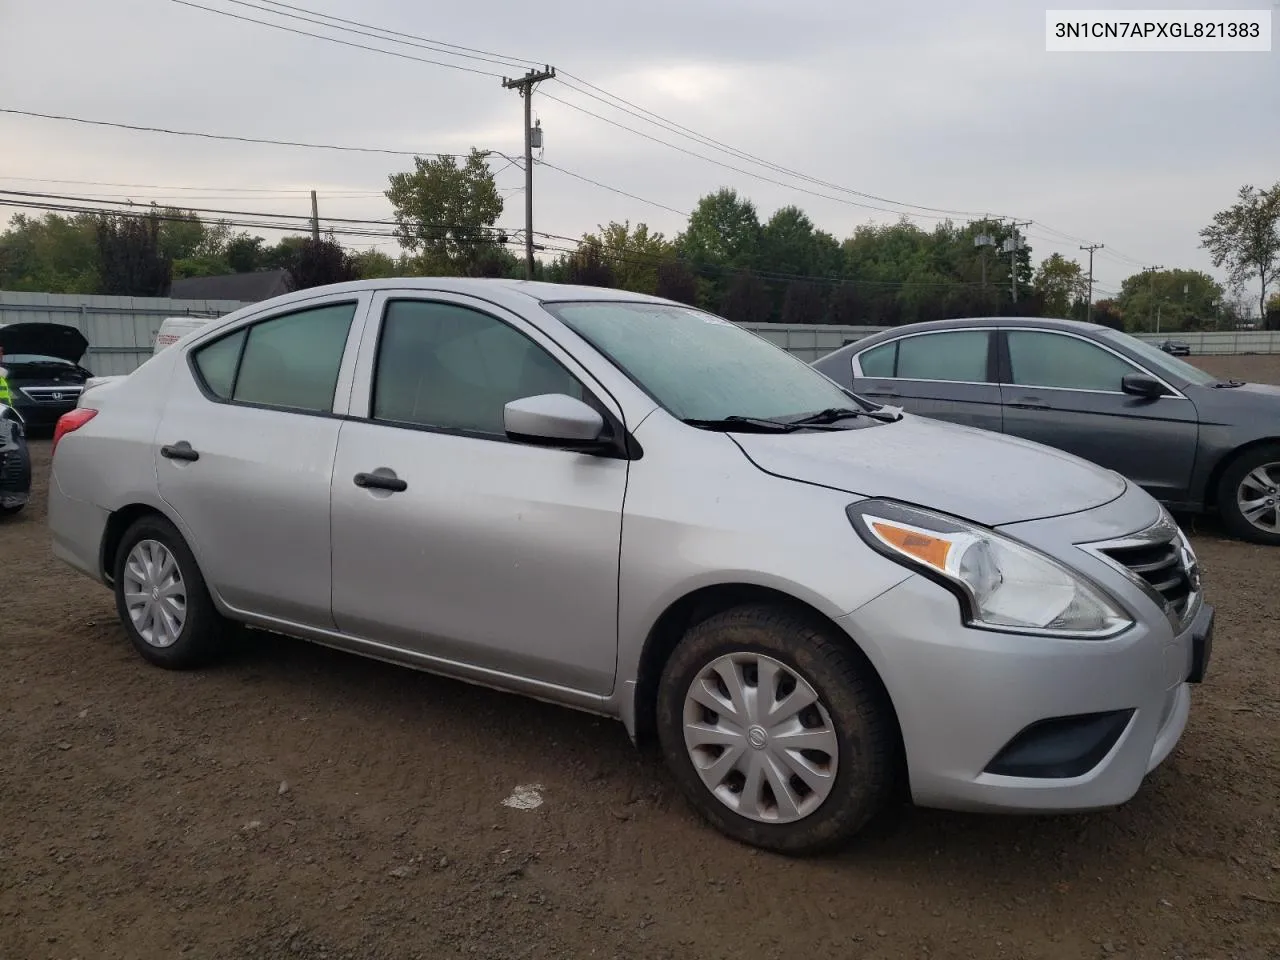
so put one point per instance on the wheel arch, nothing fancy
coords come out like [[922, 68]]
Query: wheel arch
[[118, 522], [705, 602], [1224, 463]]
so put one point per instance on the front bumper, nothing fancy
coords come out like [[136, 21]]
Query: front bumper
[[963, 696], [43, 416]]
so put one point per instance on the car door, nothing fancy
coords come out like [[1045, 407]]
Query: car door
[[244, 455], [496, 555], [946, 374], [1064, 390]]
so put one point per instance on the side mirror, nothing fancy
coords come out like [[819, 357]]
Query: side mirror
[[1140, 385], [554, 420]]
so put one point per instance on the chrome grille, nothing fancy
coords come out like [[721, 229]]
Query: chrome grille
[[53, 395], [1162, 561]]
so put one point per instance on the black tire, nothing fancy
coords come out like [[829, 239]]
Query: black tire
[[1228, 486], [854, 701], [11, 511], [202, 633]]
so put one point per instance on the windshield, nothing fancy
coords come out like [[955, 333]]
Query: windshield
[[1164, 363], [698, 366]]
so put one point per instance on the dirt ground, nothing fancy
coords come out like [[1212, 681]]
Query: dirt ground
[[296, 802]]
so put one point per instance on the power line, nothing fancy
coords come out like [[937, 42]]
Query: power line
[[164, 186], [345, 43], [429, 45], [497, 57], [221, 136], [605, 186]]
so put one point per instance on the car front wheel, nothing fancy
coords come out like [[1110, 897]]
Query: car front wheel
[[162, 599], [776, 730], [1249, 495]]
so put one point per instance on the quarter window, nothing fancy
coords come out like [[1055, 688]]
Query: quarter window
[[454, 368], [1043, 359], [289, 361], [879, 361]]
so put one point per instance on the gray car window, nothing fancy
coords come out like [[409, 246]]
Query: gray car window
[[217, 363], [879, 361], [450, 367], [957, 355], [1044, 359], [292, 361]]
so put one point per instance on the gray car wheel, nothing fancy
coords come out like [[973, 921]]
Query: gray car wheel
[[776, 729], [1249, 495], [162, 599]]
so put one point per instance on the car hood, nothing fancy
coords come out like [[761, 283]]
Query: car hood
[[985, 477], [51, 339]]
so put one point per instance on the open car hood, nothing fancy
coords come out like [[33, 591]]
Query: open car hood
[[50, 339]]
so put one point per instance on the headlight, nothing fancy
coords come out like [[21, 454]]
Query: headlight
[[1002, 584]]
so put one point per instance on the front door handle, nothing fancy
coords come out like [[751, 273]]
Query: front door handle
[[378, 481], [179, 451]]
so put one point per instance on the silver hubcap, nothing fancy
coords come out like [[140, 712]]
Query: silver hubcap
[[154, 593], [760, 739], [1258, 497]]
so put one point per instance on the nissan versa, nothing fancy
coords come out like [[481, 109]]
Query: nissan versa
[[632, 507]]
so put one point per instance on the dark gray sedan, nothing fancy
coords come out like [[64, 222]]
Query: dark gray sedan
[[1193, 441]]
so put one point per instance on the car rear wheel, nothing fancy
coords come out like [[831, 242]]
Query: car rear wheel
[[10, 511], [1249, 495], [162, 599], [776, 730]]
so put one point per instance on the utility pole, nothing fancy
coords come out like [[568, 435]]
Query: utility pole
[[1091, 247], [1013, 246], [315, 218], [1151, 291], [525, 85]]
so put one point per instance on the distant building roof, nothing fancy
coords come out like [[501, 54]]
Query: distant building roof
[[246, 287]]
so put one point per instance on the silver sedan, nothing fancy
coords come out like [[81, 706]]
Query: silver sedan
[[635, 508]]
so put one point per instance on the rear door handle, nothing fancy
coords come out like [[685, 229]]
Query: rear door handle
[[179, 451], [377, 481], [1029, 403]]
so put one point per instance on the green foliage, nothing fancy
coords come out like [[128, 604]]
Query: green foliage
[[320, 262], [446, 213], [587, 266], [1245, 238], [633, 255], [1063, 285], [131, 262], [805, 302], [676, 281], [746, 300], [51, 254], [1181, 299]]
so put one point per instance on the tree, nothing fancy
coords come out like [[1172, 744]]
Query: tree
[[130, 262], [587, 265], [322, 262], [446, 212], [1109, 314], [804, 302], [677, 282], [721, 237], [373, 263], [1245, 238], [1062, 284], [1272, 316], [495, 261], [1179, 299], [746, 300], [244, 253], [633, 254], [51, 254]]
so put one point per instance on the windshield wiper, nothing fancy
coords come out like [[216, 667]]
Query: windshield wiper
[[836, 414], [1227, 384], [754, 424]]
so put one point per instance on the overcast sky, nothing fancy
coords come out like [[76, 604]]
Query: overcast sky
[[941, 104]]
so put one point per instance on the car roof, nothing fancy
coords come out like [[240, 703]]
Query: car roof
[[962, 323], [495, 289]]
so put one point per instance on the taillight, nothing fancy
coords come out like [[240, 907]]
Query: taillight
[[70, 421]]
